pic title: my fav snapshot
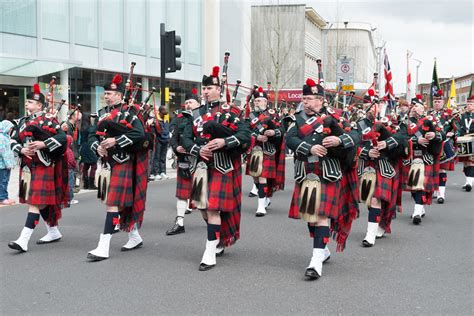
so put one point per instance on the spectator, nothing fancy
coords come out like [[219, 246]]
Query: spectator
[[71, 167], [162, 140], [7, 161], [88, 157]]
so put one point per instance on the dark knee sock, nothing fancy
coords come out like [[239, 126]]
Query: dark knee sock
[[469, 171], [45, 214], [112, 219], [311, 230], [443, 178], [213, 231], [321, 236], [419, 197], [374, 214], [261, 190], [32, 220]]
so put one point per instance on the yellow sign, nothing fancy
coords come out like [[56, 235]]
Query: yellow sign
[[167, 94], [348, 88]]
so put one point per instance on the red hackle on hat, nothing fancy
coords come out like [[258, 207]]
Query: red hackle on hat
[[310, 82], [215, 71], [440, 93], [36, 88], [194, 91], [419, 96], [260, 89], [117, 79]]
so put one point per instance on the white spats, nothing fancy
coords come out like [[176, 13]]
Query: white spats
[[254, 190], [209, 256], [267, 202], [21, 244], [380, 232], [102, 250], [369, 239], [327, 254], [317, 260], [134, 240], [53, 235], [261, 211], [181, 206]]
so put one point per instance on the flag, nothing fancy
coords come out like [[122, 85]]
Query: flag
[[434, 84], [409, 54], [452, 95], [388, 81]]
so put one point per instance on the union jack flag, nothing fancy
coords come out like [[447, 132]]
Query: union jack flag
[[388, 81]]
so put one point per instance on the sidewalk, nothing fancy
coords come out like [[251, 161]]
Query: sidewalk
[[15, 178]]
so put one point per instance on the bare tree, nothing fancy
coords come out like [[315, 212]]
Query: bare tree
[[277, 54]]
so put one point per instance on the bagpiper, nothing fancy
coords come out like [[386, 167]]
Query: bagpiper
[[447, 123], [320, 144], [381, 148], [122, 145], [40, 144], [421, 178], [266, 152], [216, 137], [184, 177]]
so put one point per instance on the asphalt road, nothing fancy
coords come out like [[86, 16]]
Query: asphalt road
[[426, 269]]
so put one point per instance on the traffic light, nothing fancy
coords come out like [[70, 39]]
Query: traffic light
[[172, 51]]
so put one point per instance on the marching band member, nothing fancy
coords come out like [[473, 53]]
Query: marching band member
[[318, 173], [266, 145], [40, 143], [216, 136], [466, 127], [121, 144]]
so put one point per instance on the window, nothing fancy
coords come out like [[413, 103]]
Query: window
[[18, 17], [85, 22], [112, 24], [55, 20], [136, 27], [193, 38]]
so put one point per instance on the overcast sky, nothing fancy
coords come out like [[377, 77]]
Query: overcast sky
[[436, 28]]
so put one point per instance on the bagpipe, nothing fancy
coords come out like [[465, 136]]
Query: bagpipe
[[421, 127], [122, 122]]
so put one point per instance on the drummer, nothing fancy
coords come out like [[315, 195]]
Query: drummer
[[466, 130]]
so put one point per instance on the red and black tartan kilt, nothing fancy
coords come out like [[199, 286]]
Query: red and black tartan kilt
[[330, 196], [183, 186], [42, 187], [449, 165], [225, 195], [269, 167], [127, 190], [350, 190], [121, 185], [383, 188]]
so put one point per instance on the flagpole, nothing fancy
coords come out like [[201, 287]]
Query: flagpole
[[408, 89]]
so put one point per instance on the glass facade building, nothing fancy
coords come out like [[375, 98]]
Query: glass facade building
[[85, 42]]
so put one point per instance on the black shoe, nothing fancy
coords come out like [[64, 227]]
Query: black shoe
[[260, 214], [176, 229], [467, 187], [366, 244], [95, 258], [188, 211], [205, 267], [15, 246], [252, 194], [417, 219], [133, 248], [440, 200], [220, 253], [311, 274], [42, 242]]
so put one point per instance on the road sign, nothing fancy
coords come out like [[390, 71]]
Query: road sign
[[345, 70]]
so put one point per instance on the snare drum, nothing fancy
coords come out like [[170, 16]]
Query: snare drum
[[449, 151], [465, 145]]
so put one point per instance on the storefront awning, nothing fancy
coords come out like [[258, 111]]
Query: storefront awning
[[26, 67]]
